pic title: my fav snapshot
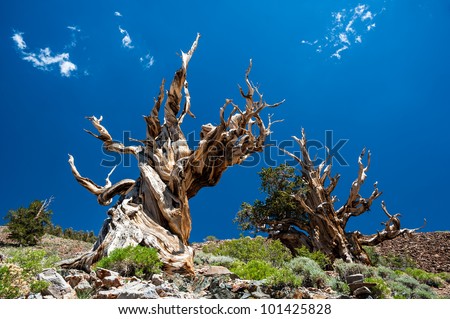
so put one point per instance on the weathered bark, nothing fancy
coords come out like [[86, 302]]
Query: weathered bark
[[154, 210], [324, 226]]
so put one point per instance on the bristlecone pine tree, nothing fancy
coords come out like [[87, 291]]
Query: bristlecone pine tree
[[153, 210], [26, 226], [300, 210]]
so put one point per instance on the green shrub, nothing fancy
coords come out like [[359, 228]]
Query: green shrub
[[408, 281], [381, 290], [32, 261], [202, 258], [399, 290], [396, 262], [339, 286], [70, 233], [285, 277], [132, 261], [425, 277], [39, 286], [319, 257], [253, 270], [423, 292], [374, 257], [444, 276], [386, 273], [225, 261], [18, 275], [27, 225], [346, 269], [9, 289], [406, 287], [210, 238], [247, 249], [313, 275]]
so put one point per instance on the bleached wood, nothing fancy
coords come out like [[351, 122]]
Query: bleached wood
[[325, 229], [154, 210]]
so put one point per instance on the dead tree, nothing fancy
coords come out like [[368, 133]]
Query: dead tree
[[323, 226], [153, 210]]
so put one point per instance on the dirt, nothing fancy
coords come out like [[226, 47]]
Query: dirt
[[62, 247], [429, 251]]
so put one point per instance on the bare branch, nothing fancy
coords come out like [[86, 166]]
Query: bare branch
[[45, 204], [106, 193], [152, 120], [108, 142]]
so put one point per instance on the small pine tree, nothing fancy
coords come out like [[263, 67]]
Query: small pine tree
[[27, 225]]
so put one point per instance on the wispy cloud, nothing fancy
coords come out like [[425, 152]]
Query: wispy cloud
[[118, 14], [45, 59], [349, 25], [20, 42], [147, 61], [126, 40], [74, 28]]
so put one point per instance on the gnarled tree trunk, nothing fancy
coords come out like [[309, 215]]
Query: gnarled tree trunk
[[154, 209], [323, 227]]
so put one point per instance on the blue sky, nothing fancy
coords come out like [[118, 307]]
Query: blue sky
[[376, 73]]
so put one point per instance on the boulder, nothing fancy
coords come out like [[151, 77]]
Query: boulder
[[131, 290], [102, 273], [362, 292], [112, 281], [83, 287], [58, 287]]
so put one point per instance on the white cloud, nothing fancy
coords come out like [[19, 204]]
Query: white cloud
[[18, 39], [343, 38], [368, 15], [348, 27], [371, 26], [118, 14], [359, 10], [73, 28], [147, 61], [66, 67], [45, 60], [126, 40], [337, 54]]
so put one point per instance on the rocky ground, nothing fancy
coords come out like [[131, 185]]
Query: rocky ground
[[430, 251]]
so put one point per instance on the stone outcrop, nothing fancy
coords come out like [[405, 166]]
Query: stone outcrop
[[211, 282]]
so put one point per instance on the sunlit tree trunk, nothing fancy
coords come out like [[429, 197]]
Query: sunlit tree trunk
[[153, 210]]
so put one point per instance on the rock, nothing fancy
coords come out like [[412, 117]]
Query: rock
[[112, 281], [83, 287], [102, 273], [246, 295], [131, 290], [167, 290], [74, 277], [58, 288], [362, 292], [258, 294], [217, 271], [157, 279], [355, 278], [201, 283]]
